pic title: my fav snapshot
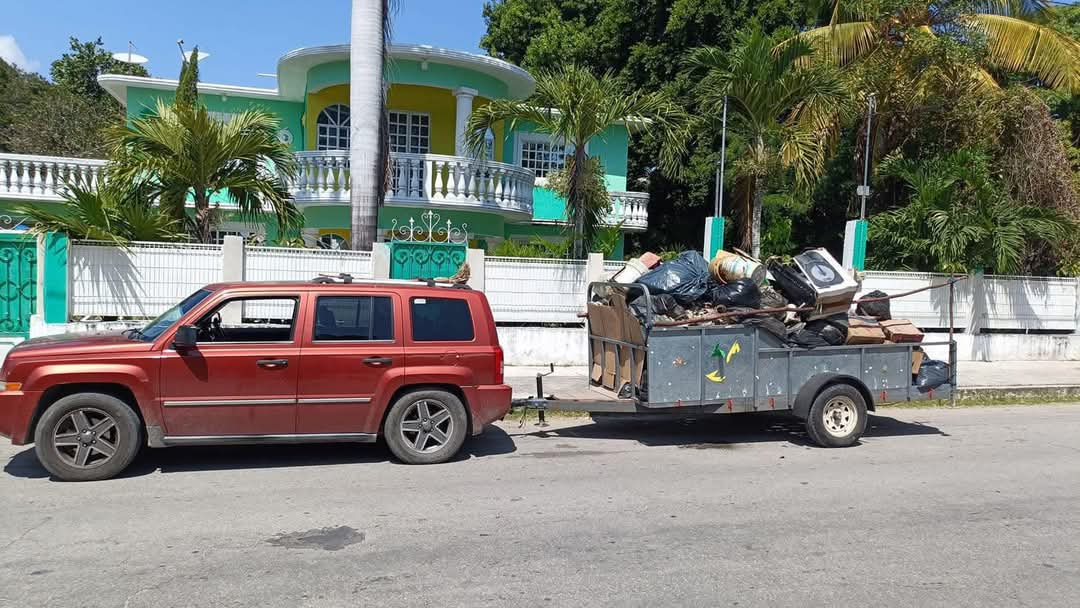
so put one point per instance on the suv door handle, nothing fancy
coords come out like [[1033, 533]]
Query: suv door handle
[[378, 361], [272, 363]]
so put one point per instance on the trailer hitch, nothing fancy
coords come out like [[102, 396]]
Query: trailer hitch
[[542, 422]]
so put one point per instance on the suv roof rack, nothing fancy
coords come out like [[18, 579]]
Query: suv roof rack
[[345, 278], [342, 277]]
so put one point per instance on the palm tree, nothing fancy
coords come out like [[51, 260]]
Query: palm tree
[[117, 211], [574, 106], [368, 153], [958, 218], [788, 111], [1015, 31], [187, 152]]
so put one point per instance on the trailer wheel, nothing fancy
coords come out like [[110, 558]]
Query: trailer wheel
[[838, 417]]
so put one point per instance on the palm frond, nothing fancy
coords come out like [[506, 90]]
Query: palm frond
[[1023, 46]]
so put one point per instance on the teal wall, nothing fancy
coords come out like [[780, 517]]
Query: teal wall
[[141, 101], [611, 147]]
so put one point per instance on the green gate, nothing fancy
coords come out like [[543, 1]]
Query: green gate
[[421, 260], [18, 283], [429, 249]]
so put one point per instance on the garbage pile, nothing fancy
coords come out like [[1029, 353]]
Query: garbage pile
[[804, 302]]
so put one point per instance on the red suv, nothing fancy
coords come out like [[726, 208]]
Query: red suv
[[249, 363]]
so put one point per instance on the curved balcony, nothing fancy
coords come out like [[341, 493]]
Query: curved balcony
[[44, 178], [422, 180], [630, 210]]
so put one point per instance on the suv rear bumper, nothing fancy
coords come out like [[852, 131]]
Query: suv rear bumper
[[16, 409], [488, 404]]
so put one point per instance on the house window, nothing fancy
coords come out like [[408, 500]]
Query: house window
[[217, 237], [540, 154], [332, 128], [410, 133], [331, 240]]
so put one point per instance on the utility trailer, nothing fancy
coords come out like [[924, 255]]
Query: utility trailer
[[714, 369]]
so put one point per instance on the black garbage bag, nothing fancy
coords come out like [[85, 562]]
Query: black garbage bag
[[932, 374], [806, 338], [832, 329], [789, 281], [878, 310], [743, 293], [686, 278], [662, 304], [769, 324]]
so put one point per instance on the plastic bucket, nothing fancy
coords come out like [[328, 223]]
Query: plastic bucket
[[631, 272], [729, 267]]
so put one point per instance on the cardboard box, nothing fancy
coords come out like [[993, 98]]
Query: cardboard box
[[917, 357], [612, 367], [901, 331], [864, 330]]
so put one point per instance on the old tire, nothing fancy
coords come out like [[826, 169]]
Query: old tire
[[87, 437], [426, 427], [838, 417]]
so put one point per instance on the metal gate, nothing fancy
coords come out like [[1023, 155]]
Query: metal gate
[[428, 249], [18, 283]]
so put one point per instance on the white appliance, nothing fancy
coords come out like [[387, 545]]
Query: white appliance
[[835, 287]]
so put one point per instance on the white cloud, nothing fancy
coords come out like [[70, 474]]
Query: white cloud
[[11, 53]]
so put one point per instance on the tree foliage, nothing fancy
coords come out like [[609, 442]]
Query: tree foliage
[[185, 152], [187, 89]]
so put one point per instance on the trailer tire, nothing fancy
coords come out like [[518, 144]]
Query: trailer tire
[[837, 418]]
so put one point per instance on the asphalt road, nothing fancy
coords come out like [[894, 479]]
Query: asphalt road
[[967, 507]]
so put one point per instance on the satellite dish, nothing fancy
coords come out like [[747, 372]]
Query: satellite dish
[[202, 55], [129, 57]]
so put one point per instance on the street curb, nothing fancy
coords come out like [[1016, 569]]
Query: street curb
[[1051, 392]]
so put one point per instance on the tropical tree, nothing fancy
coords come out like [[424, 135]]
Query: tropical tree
[[116, 211], [182, 152], [957, 218], [1014, 33], [573, 106], [368, 152], [788, 111]]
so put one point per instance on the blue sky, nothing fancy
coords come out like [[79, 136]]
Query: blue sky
[[244, 37]]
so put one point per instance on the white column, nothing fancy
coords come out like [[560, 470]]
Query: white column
[[380, 261], [233, 263], [464, 97], [476, 258], [594, 268]]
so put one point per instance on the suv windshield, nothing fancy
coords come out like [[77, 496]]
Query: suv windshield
[[156, 327]]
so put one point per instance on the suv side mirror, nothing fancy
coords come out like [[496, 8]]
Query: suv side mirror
[[185, 338]]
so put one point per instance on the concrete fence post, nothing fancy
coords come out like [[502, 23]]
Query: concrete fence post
[[1076, 311], [233, 262], [380, 261], [977, 316], [476, 258], [594, 268]]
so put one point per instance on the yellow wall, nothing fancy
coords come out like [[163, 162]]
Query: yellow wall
[[439, 103]]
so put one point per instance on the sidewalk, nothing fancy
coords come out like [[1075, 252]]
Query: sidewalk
[[997, 377]]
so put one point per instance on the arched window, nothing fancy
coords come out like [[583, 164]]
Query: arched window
[[332, 128], [333, 241]]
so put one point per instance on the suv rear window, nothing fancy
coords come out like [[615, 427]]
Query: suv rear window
[[441, 320], [354, 318]]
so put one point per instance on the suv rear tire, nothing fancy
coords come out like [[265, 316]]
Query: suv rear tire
[[87, 437], [426, 427]]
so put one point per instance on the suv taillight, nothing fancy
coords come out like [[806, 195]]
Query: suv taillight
[[499, 365]]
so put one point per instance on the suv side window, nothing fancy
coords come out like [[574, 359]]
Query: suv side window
[[354, 318], [441, 320], [255, 319]]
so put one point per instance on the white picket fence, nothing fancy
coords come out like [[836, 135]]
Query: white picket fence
[[147, 278]]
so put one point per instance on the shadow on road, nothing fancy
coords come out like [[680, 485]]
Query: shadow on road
[[717, 431], [493, 441]]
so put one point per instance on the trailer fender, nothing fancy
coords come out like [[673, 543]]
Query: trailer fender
[[816, 384]]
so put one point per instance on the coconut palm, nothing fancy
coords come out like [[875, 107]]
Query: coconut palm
[[368, 153], [574, 106], [787, 111], [115, 211], [1018, 38], [185, 151], [958, 218]]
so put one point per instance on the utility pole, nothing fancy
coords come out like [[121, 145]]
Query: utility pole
[[714, 226], [719, 204], [864, 190]]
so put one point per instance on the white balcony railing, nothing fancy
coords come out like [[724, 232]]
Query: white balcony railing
[[422, 180], [25, 176], [631, 209]]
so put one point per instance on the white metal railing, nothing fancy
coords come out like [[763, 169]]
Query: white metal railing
[[45, 177], [631, 209], [141, 281], [526, 290], [450, 181], [284, 264]]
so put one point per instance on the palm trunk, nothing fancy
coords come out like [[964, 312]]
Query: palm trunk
[[755, 222], [575, 201], [367, 173], [203, 217]]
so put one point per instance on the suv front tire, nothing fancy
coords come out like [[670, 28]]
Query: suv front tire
[[426, 427], [87, 437]]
